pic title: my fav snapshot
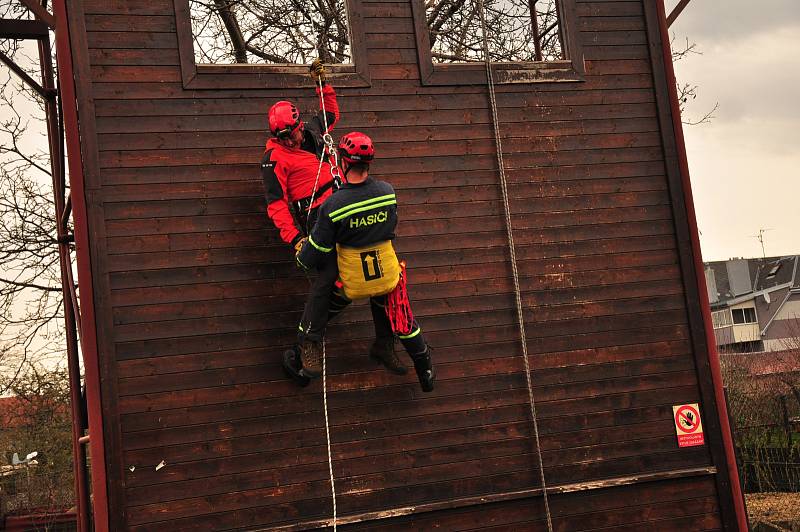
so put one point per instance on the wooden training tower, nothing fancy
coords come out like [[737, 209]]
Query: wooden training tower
[[188, 297]]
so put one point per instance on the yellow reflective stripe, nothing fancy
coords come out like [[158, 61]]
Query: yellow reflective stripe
[[412, 335], [360, 203], [321, 248], [361, 209]]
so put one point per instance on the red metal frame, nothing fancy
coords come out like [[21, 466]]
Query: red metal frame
[[713, 356], [39, 30], [22, 523], [88, 333], [55, 135]]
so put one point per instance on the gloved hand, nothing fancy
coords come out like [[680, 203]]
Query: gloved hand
[[299, 245], [297, 248], [317, 70]]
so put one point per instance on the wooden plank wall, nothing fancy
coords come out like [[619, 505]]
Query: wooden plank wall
[[200, 297], [687, 504]]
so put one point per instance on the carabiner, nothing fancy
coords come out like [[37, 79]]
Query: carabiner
[[328, 140]]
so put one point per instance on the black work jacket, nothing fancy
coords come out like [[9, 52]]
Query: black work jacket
[[356, 215]]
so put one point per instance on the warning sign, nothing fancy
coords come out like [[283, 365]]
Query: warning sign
[[688, 425]]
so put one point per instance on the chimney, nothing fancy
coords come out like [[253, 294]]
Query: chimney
[[739, 277], [711, 286]]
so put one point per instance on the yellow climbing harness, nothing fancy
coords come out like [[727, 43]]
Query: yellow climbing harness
[[368, 271]]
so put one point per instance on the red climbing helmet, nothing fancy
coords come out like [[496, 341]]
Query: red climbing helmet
[[284, 118], [356, 147]]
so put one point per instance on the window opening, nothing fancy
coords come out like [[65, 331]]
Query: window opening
[[524, 30], [721, 318], [270, 31], [744, 315], [774, 271]]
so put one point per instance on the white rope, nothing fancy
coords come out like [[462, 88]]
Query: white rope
[[328, 140], [327, 421], [321, 160], [515, 271], [327, 429]]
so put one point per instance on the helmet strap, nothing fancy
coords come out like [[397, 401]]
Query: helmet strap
[[347, 167]]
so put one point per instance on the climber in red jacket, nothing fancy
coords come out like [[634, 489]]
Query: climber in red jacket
[[297, 179], [294, 166]]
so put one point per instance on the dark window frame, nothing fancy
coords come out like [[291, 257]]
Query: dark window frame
[[266, 76], [570, 69], [744, 315]]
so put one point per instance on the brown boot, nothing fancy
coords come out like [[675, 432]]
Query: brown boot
[[311, 358], [382, 351]]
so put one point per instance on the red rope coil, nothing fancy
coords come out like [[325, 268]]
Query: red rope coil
[[398, 306]]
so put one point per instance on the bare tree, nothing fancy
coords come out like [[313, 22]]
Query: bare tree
[[687, 92], [274, 31], [270, 31], [517, 30], [764, 408], [31, 307], [790, 356]]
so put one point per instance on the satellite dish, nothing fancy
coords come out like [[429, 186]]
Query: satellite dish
[[767, 299]]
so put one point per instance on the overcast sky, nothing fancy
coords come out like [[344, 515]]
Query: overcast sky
[[744, 164]]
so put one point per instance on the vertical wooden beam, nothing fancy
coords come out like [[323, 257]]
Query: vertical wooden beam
[[55, 140], [423, 39], [183, 32], [89, 347], [699, 311]]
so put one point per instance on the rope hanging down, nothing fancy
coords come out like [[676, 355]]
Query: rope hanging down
[[514, 270], [328, 430], [331, 153], [333, 156]]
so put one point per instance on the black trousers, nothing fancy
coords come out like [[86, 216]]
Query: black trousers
[[325, 302], [413, 342], [322, 300]]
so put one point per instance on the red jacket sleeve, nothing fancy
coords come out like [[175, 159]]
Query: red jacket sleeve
[[331, 105], [274, 177]]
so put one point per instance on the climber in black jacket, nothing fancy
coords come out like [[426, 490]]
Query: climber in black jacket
[[358, 222]]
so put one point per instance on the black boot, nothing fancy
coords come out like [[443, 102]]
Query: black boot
[[425, 372], [382, 351], [292, 366]]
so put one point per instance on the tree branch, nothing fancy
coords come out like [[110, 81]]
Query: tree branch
[[232, 25]]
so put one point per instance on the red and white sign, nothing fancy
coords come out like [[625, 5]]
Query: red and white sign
[[688, 425]]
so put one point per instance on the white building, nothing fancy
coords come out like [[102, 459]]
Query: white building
[[755, 303]]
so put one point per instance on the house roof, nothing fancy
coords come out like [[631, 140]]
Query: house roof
[[765, 274], [12, 412], [721, 278], [768, 311], [17, 411], [773, 271]]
